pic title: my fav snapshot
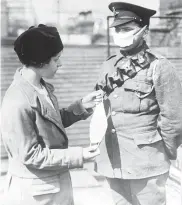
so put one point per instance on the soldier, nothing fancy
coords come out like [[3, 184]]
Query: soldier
[[143, 104]]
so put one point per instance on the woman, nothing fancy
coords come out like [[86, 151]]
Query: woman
[[33, 127]]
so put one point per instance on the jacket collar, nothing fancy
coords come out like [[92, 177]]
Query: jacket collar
[[135, 54], [38, 101]]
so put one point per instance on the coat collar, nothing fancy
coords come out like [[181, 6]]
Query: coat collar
[[136, 54], [39, 102]]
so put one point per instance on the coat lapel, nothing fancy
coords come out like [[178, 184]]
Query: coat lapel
[[39, 102], [49, 112]]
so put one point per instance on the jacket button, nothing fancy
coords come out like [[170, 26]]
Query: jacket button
[[113, 131], [115, 96], [113, 113]]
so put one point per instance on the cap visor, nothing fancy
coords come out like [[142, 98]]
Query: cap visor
[[119, 23]]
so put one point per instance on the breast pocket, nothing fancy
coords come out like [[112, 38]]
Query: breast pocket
[[146, 94], [143, 89], [137, 96]]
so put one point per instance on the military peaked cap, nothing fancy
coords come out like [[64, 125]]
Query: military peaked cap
[[125, 13]]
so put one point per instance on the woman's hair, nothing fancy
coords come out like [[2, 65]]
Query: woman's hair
[[39, 65], [37, 45]]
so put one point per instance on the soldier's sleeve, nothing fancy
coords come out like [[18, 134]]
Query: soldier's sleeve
[[100, 81], [104, 70], [169, 97]]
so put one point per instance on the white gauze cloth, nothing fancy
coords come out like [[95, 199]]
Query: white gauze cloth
[[98, 124]]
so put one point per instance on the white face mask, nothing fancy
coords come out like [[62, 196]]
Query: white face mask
[[129, 38]]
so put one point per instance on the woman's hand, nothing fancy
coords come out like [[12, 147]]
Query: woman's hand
[[92, 99], [90, 152]]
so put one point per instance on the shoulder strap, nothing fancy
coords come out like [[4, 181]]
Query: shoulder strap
[[154, 70], [156, 55]]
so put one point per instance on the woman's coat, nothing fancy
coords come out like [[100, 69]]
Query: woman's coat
[[34, 136]]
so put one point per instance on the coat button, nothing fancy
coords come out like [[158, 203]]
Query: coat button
[[113, 113], [115, 96], [113, 131]]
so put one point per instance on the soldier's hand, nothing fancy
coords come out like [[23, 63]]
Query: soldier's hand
[[92, 99], [90, 152]]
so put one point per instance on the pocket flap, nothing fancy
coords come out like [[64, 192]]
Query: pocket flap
[[45, 185], [141, 86], [147, 138]]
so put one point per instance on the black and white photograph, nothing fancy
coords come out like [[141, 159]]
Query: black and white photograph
[[91, 102]]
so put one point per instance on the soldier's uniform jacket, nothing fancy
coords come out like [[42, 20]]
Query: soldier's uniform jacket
[[143, 105]]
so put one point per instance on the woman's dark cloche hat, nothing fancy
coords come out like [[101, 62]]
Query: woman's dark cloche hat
[[37, 44], [125, 13]]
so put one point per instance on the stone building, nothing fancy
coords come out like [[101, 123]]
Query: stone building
[[16, 16], [168, 32]]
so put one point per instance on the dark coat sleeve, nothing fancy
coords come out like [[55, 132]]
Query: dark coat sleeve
[[169, 97], [74, 113]]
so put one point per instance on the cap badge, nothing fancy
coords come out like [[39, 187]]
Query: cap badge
[[114, 11]]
